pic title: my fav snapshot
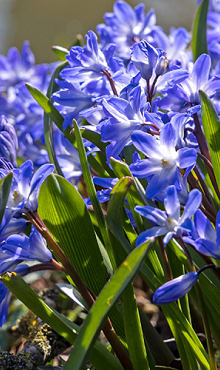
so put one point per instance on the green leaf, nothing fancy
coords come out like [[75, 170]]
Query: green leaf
[[211, 126], [199, 39], [100, 357], [65, 215], [92, 193], [158, 348], [60, 52], [94, 137], [73, 294], [99, 311], [48, 124], [5, 187], [135, 195], [133, 330]]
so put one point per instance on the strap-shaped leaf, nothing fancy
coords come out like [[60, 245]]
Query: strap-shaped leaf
[[100, 357], [48, 124], [99, 311], [211, 126], [92, 193], [133, 330], [5, 187], [64, 213], [199, 39]]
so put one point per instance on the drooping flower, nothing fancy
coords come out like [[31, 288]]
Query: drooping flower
[[169, 222], [175, 289]]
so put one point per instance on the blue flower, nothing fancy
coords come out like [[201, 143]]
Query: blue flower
[[175, 289], [10, 225], [169, 222], [126, 26], [5, 164], [161, 168], [70, 101], [24, 248], [17, 68], [104, 194], [88, 63], [123, 116], [182, 96], [204, 237], [26, 186]]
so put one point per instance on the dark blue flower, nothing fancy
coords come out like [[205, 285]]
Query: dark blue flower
[[175, 289], [88, 64]]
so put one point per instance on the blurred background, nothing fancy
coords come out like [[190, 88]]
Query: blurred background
[[53, 22]]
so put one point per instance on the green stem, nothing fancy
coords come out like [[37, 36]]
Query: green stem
[[206, 327], [203, 312], [81, 286]]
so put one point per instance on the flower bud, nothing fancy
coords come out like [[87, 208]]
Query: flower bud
[[8, 141], [144, 56], [175, 289], [162, 66]]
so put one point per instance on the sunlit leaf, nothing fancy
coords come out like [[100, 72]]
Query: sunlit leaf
[[199, 39]]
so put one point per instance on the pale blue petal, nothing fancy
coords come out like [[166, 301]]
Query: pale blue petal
[[193, 202], [150, 233], [186, 157], [171, 202]]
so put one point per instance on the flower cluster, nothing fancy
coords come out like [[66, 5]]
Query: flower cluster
[[138, 90]]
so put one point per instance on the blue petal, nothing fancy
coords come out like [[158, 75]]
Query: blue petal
[[171, 202], [155, 215], [146, 143], [175, 289], [204, 227], [186, 157], [193, 202], [151, 233], [201, 70]]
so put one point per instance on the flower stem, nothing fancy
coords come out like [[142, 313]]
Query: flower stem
[[165, 259], [88, 296], [203, 311], [110, 79], [206, 327]]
